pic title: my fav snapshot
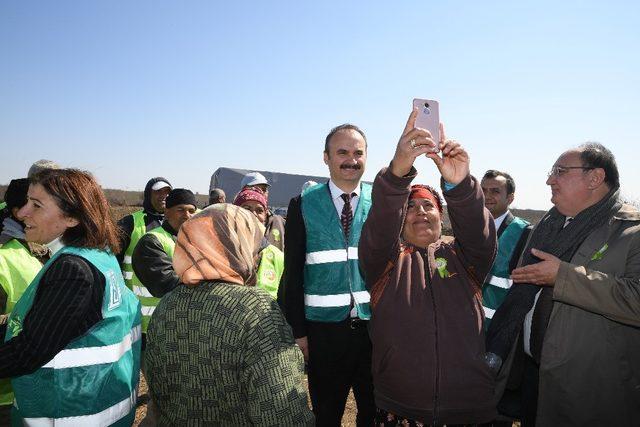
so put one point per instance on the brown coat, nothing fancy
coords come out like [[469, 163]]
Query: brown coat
[[590, 364], [426, 324]]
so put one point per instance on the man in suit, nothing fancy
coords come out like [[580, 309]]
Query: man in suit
[[323, 294], [574, 308], [499, 190]]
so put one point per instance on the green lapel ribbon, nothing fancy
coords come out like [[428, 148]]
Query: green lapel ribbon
[[598, 255], [441, 265]]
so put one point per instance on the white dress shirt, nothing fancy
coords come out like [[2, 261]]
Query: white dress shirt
[[337, 200], [498, 221]]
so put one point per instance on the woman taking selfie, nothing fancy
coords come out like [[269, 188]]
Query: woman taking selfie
[[72, 341], [426, 322]]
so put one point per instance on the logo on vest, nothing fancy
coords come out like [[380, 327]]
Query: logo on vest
[[269, 276], [115, 294], [15, 326]]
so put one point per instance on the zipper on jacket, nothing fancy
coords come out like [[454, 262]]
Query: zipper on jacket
[[435, 326]]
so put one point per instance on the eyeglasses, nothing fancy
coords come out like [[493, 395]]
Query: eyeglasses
[[561, 170]]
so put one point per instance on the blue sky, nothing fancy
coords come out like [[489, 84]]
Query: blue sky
[[131, 90]]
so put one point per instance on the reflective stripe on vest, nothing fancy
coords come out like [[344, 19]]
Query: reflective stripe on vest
[[332, 277], [77, 357], [103, 418], [147, 300], [139, 228], [497, 283], [488, 313], [500, 282], [18, 268], [96, 374], [336, 255], [361, 297]]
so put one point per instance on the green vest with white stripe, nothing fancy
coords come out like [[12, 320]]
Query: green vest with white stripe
[[17, 269], [332, 277], [148, 301], [94, 379], [497, 283], [139, 228]]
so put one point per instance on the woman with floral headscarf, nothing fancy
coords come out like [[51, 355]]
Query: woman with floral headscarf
[[219, 351], [426, 321]]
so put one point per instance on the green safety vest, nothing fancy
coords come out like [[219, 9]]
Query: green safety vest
[[270, 270], [139, 228], [17, 269], [497, 283], [332, 276], [148, 301], [94, 379]]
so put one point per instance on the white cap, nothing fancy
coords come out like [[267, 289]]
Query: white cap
[[160, 185], [307, 185], [253, 178]]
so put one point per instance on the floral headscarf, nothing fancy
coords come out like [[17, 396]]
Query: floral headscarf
[[221, 243]]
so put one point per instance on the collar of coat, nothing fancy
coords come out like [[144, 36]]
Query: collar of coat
[[628, 213]]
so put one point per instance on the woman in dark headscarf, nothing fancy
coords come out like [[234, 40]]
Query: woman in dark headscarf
[[219, 350]]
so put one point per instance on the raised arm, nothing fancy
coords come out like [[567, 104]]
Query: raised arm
[[381, 232], [473, 228]]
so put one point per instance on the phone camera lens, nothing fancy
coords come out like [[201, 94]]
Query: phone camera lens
[[426, 105]]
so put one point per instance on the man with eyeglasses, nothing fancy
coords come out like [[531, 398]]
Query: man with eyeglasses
[[569, 329]]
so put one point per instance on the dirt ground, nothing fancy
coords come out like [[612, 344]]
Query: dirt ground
[[348, 420]]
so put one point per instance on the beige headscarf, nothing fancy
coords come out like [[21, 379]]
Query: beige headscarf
[[221, 243]]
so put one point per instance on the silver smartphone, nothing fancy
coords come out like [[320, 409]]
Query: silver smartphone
[[428, 118]]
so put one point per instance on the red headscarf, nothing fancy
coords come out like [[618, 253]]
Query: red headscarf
[[419, 191], [250, 194]]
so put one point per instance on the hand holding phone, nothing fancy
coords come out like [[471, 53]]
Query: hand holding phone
[[428, 118]]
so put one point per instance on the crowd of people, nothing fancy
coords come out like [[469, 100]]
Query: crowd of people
[[223, 309]]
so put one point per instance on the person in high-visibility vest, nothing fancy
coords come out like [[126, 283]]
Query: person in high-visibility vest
[[153, 268], [72, 341], [153, 254], [18, 267], [499, 190], [135, 225], [274, 223], [36, 167], [271, 263], [323, 294]]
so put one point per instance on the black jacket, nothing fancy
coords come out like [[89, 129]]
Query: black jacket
[[153, 266]]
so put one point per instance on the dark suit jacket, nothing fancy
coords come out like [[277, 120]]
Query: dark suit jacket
[[291, 289]]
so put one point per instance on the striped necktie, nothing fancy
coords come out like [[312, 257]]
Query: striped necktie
[[347, 214]]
